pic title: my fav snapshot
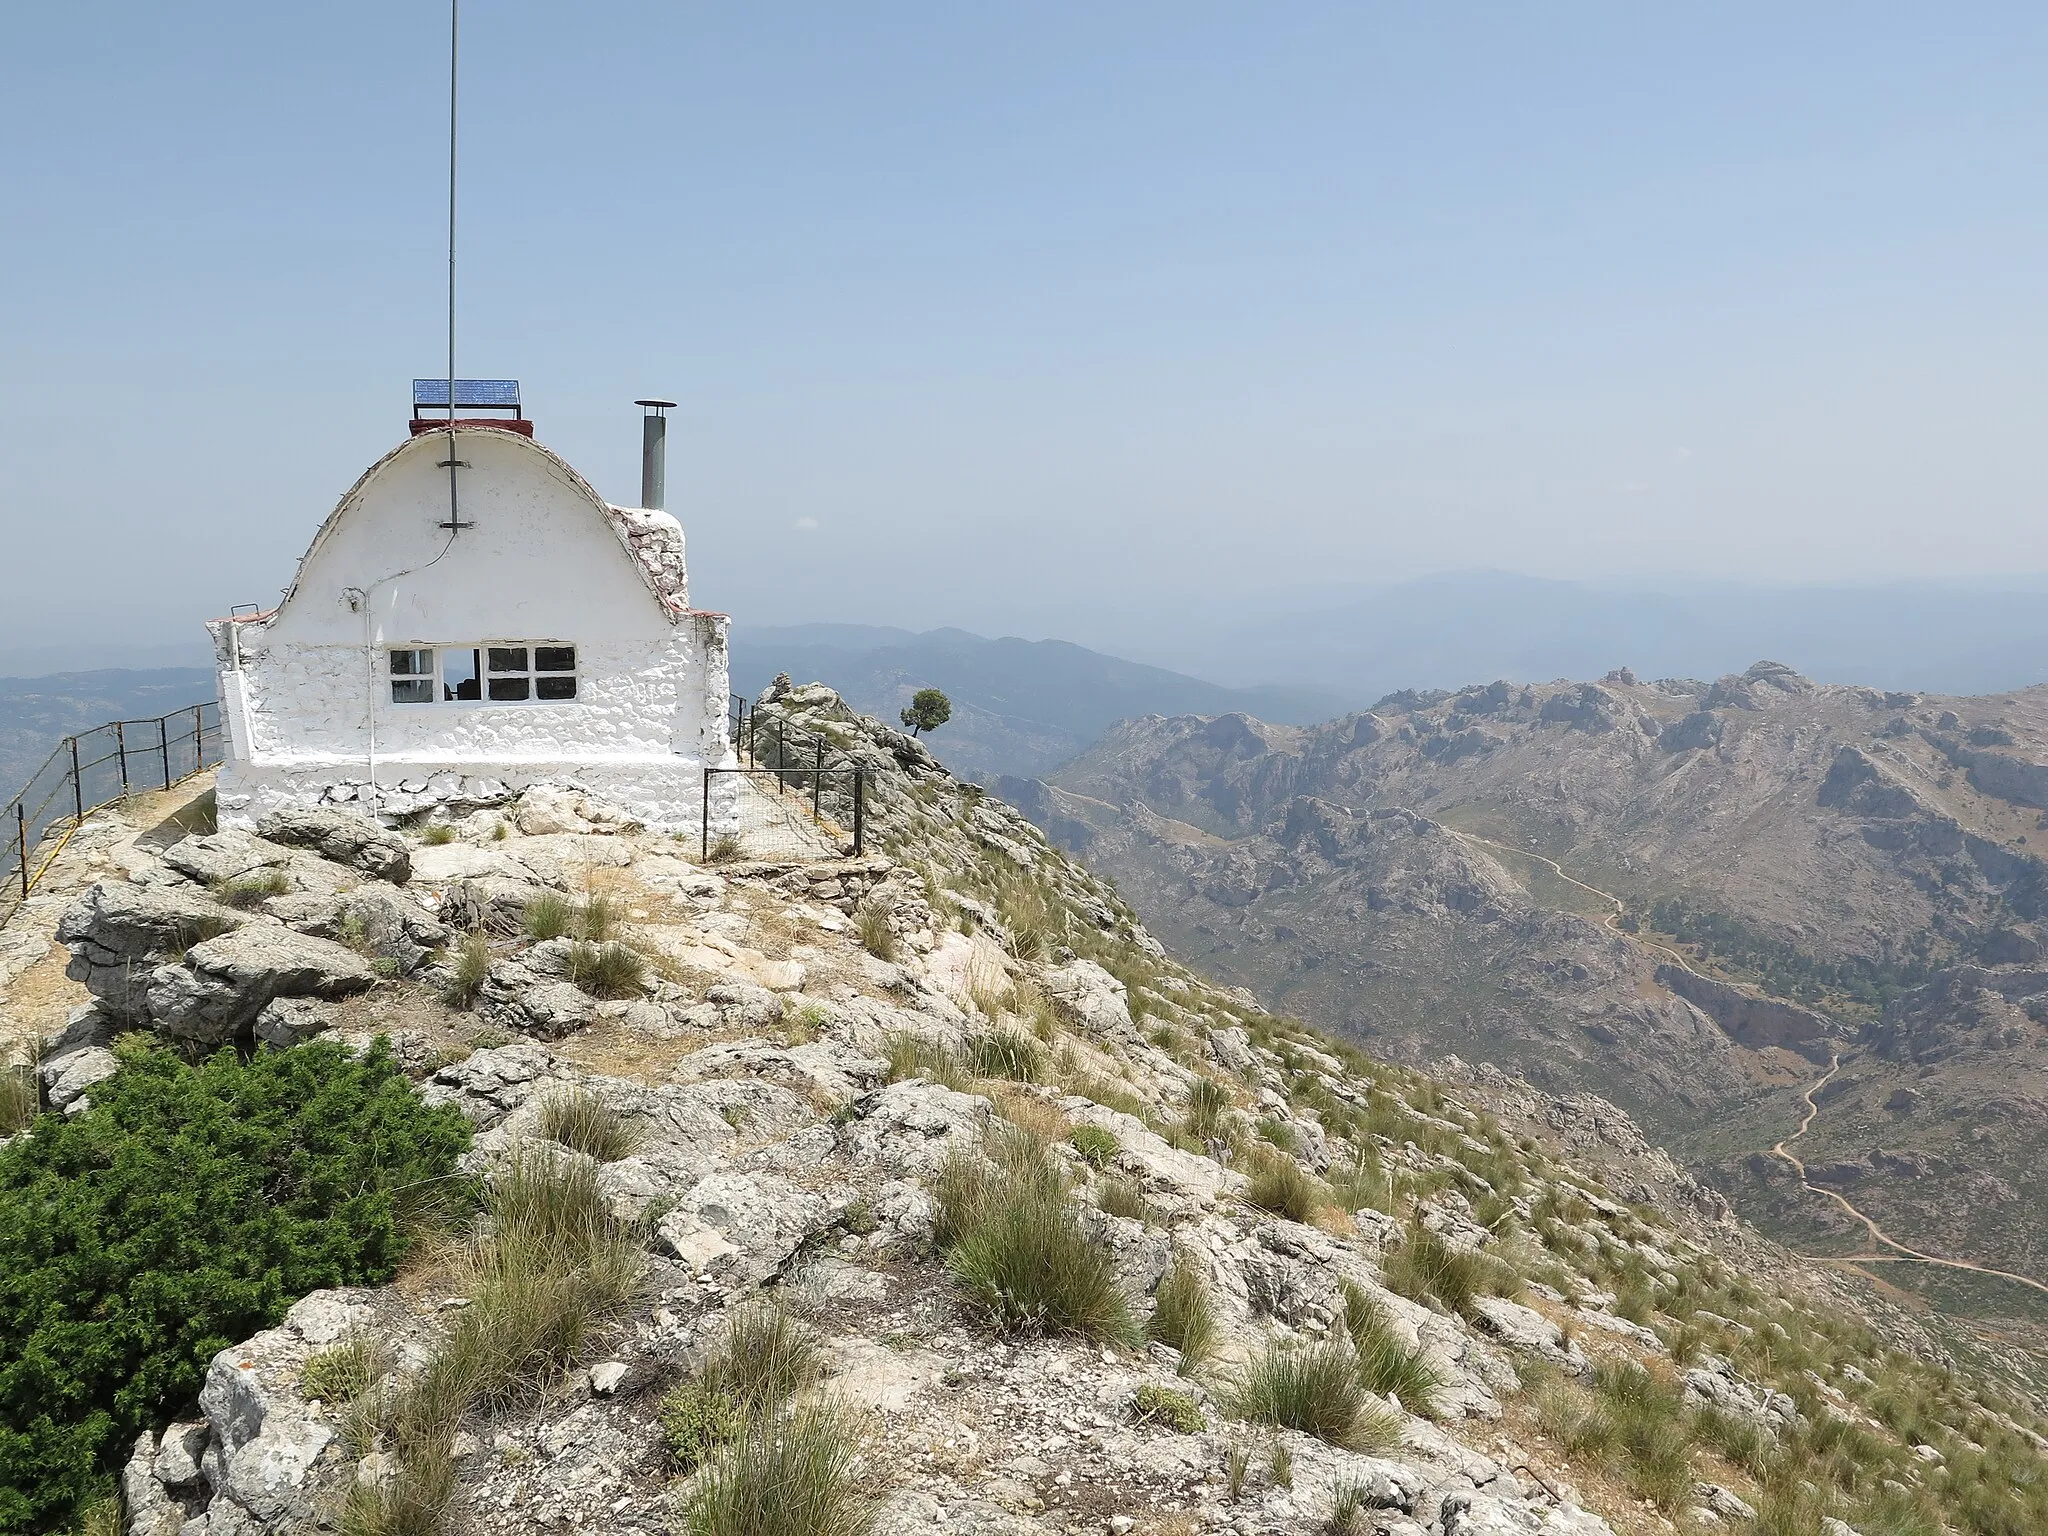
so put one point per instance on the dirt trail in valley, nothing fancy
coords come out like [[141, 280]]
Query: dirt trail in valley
[[1901, 1253], [1612, 922]]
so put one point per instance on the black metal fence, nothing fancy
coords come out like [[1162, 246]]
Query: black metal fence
[[793, 795], [92, 769]]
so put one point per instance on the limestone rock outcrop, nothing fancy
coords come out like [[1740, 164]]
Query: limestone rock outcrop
[[354, 841]]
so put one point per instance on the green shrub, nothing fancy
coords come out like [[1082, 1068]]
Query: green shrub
[[1007, 1053], [1279, 1184], [1183, 1314], [1098, 1148], [1169, 1409], [437, 835], [1386, 1365], [789, 1474], [724, 848], [466, 977], [187, 1210], [696, 1419], [581, 1121], [1016, 1244], [1315, 1388], [607, 970]]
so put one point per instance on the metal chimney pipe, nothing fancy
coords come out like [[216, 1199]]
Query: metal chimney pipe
[[654, 453]]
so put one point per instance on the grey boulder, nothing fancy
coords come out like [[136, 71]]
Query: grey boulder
[[352, 840], [382, 922], [288, 1020], [216, 858], [67, 1078], [227, 982], [118, 931]]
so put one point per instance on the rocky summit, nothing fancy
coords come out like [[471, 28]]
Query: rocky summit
[[925, 1191]]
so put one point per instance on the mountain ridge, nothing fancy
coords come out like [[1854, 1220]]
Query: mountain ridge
[[1846, 864]]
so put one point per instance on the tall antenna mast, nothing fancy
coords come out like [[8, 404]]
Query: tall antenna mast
[[454, 36]]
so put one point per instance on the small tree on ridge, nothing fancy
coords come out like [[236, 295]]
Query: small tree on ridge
[[928, 710]]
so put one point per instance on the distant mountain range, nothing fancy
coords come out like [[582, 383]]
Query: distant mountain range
[[1688, 896], [1019, 706], [1449, 630], [38, 712]]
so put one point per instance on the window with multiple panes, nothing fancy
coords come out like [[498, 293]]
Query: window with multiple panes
[[492, 674]]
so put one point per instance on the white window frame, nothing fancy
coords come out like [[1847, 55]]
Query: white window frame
[[431, 673]]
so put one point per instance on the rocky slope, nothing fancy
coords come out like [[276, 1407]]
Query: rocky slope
[[1451, 871], [812, 1054]]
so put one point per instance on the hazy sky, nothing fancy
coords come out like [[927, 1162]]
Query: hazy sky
[[995, 316]]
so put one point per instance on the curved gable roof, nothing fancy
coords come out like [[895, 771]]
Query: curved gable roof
[[652, 540]]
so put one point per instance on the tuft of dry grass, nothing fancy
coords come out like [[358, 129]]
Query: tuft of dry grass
[[20, 1099], [912, 1055], [1208, 1103], [877, 935], [608, 970], [1315, 1388], [1387, 1365], [1007, 1053], [466, 976], [787, 1474], [1016, 1245], [581, 1121], [548, 1265], [1281, 1185], [1183, 1314]]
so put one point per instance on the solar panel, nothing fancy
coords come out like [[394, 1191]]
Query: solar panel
[[469, 393]]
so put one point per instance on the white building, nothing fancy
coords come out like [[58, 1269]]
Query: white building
[[457, 632]]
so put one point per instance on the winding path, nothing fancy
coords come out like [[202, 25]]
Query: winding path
[[1612, 922], [1901, 1254]]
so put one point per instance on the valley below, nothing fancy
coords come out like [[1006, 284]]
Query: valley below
[[1701, 900]]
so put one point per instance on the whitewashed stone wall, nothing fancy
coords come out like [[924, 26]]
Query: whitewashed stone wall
[[305, 691]]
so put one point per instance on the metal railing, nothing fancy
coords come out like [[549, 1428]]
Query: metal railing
[[92, 769], [794, 770]]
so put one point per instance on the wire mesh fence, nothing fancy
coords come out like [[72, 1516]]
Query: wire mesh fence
[[792, 795], [92, 769]]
